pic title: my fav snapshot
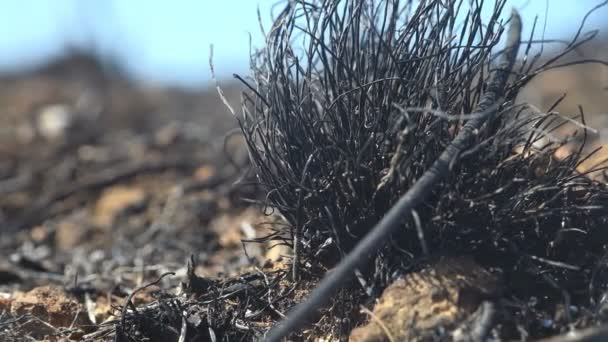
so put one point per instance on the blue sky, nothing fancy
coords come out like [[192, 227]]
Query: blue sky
[[168, 41]]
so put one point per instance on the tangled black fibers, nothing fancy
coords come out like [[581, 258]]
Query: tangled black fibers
[[324, 125], [352, 101]]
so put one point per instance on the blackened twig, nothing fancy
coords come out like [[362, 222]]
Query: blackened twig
[[595, 334], [482, 326], [128, 302]]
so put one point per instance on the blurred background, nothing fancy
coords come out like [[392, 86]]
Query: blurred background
[[146, 61], [168, 41]]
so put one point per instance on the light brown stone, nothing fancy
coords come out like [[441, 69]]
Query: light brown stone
[[52, 308], [440, 295], [204, 173], [69, 234], [114, 200]]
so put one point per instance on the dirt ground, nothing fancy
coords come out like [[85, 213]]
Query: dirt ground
[[105, 187]]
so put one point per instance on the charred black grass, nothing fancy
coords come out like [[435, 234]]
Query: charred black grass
[[324, 125], [350, 102]]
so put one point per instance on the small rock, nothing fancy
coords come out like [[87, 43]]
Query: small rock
[[414, 307], [54, 120], [276, 252], [168, 134], [53, 308], [204, 173], [69, 234], [115, 200], [6, 300], [40, 233]]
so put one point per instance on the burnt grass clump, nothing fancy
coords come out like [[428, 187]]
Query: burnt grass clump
[[350, 102]]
